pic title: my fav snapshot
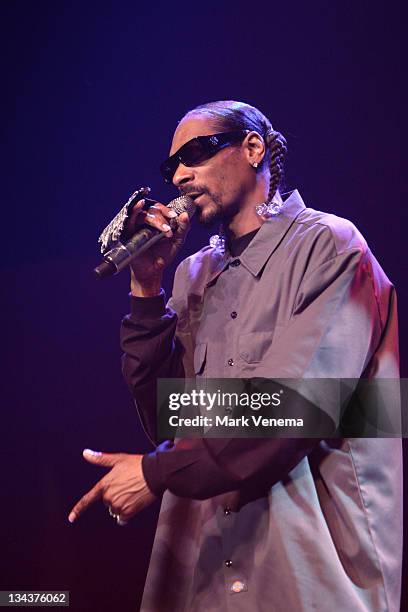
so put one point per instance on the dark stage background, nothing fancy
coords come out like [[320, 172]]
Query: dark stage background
[[92, 92]]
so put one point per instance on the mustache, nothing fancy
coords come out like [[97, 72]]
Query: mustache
[[185, 191]]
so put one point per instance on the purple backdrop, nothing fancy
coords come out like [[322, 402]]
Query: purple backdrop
[[93, 93]]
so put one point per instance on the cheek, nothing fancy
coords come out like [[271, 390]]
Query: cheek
[[232, 172], [222, 177], [225, 178], [215, 180]]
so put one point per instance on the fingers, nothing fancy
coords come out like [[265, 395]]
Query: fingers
[[132, 220], [158, 221], [165, 211], [123, 489], [158, 216], [85, 501], [102, 459]]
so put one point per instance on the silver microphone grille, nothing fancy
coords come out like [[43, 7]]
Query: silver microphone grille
[[183, 204]]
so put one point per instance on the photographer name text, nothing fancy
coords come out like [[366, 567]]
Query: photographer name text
[[226, 421]]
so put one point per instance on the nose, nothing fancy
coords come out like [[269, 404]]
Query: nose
[[183, 175]]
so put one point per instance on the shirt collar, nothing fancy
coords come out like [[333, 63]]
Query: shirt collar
[[271, 233], [267, 239]]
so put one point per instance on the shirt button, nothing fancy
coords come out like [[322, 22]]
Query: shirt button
[[234, 315], [235, 263], [230, 362], [228, 562], [237, 586], [227, 511]]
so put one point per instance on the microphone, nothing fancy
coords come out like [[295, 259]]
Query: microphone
[[121, 254]]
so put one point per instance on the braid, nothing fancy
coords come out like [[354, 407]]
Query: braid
[[277, 149]]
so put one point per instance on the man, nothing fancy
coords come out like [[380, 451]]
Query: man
[[288, 292]]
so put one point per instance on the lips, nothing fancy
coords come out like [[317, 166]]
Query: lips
[[194, 196]]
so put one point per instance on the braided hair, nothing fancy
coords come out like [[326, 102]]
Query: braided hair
[[229, 115]]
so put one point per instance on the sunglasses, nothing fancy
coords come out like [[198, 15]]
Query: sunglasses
[[199, 149]]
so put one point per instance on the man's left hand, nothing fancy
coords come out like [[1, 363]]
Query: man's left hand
[[123, 489]]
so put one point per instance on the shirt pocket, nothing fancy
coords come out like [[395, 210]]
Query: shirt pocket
[[253, 346], [200, 356]]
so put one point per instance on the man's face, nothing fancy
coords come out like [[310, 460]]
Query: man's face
[[218, 185]]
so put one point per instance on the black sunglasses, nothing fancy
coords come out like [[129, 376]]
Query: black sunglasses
[[199, 149]]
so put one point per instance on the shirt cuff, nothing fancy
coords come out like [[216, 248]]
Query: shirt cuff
[[152, 472], [148, 307]]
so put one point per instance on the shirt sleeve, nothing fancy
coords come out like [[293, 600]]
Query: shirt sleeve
[[151, 351], [200, 468], [334, 330]]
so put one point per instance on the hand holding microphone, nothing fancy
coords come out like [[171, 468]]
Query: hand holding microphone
[[147, 268], [145, 229]]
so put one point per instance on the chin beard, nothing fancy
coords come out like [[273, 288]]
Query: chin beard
[[214, 213], [209, 218]]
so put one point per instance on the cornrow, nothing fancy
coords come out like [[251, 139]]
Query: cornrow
[[276, 144], [229, 115]]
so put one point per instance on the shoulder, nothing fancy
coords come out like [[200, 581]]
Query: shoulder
[[339, 234], [336, 243]]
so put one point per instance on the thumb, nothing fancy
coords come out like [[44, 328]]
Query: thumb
[[98, 458]]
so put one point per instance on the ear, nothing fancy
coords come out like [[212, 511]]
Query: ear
[[254, 147]]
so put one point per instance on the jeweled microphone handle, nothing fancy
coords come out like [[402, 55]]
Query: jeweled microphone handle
[[121, 255]]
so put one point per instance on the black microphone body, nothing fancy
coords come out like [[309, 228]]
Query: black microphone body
[[121, 254]]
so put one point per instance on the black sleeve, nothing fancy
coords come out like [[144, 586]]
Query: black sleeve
[[200, 468], [151, 351]]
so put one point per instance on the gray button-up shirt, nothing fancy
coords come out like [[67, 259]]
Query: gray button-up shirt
[[311, 301]]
